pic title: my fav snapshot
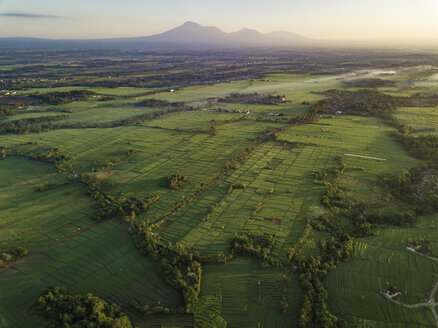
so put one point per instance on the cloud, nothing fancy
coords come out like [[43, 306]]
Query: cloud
[[27, 15]]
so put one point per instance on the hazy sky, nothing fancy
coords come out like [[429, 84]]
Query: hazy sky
[[324, 19]]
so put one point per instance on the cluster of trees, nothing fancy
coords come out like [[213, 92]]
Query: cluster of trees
[[5, 259], [312, 271], [6, 110], [360, 102], [213, 209], [213, 129], [52, 155], [9, 104], [180, 267], [31, 125], [107, 98], [239, 185], [257, 209], [45, 155], [50, 186], [149, 309], [64, 163], [421, 100], [405, 183], [233, 163], [12, 255], [252, 98], [417, 185], [176, 180], [59, 98], [423, 147], [253, 244], [114, 204], [158, 103], [60, 308], [366, 221], [311, 116], [369, 83]]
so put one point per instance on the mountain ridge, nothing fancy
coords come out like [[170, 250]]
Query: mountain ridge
[[189, 34]]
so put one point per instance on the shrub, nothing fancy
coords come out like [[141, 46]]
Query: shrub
[[175, 181]]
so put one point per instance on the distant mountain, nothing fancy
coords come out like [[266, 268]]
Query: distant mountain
[[194, 34], [191, 35], [188, 35]]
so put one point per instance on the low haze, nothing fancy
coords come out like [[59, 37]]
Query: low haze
[[338, 19]]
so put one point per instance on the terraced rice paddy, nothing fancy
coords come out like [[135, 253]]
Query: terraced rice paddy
[[275, 176], [271, 190], [247, 296], [32, 219], [384, 261]]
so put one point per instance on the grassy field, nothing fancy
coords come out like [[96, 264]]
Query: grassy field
[[271, 190], [65, 247], [32, 219], [102, 260]]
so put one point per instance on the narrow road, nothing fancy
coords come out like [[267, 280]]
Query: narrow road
[[426, 256], [367, 157]]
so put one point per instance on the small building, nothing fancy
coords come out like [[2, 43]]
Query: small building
[[414, 246], [392, 292]]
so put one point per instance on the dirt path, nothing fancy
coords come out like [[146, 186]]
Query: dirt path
[[367, 157], [424, 255]]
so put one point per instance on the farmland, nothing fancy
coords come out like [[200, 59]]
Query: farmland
[[245, 197]]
